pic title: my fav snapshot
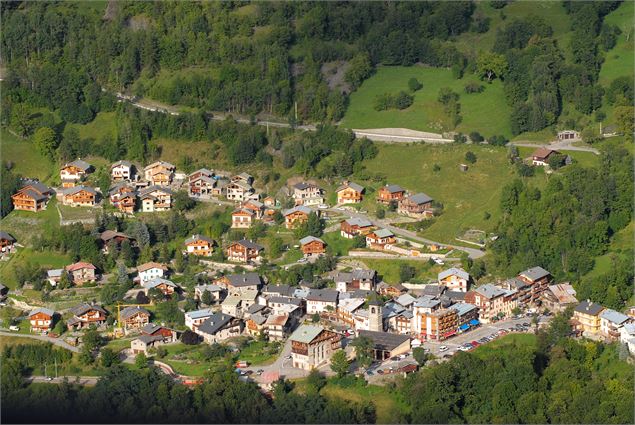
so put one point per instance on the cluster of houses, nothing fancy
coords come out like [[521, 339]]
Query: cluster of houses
[[592, 320]]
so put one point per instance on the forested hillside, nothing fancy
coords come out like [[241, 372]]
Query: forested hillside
[[305, 58]]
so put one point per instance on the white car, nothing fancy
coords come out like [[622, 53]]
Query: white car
[[14, 328], [443, 348], [438, 261], [323, 207], [302, 260]]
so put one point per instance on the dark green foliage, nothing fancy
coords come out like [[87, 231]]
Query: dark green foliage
[[560, 381], [9, 184], [499, 140], [414, 84], [386, 101], [582, 208], [474, 88], [476, 137], [470, 157], [190, 338], [406, 272]]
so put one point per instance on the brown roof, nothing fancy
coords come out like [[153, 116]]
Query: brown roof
[[79, 265], [151, 265], [542, 153]]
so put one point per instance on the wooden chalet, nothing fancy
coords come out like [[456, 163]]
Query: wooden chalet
[[378, 239], [244, 251], [7, 243], [312, 346], [201, 183], [134, 317], [296, 216], [159, 173], [349, 193], [242, 218], [355, 226], [390, 193], [33, 196], [74, 171], [416, 206], [41, 319], [312, 246], [199, 245], [156, 198], [85, 315], [78, 196]]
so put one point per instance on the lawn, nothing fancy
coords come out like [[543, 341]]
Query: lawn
[[77, 213], [389, 409], [6, 341], [103, 125], [259, 353], [586, 159], [27, 161], [484, 112], [619, 61], [25, 225], [621, 244], [515, 340], [336, 244], [466, 196], [388, 270]]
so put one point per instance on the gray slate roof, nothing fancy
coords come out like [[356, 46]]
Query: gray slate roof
[[393, 188], [454, 271], [82, 165], [535, 273], [128, 312], [250, 245], [359, 222], [244, 279], [384, 340], [85, 307], [589, 307], [420, 198], [352, 185], [490, 291], [308, 239], [44, 310], [306, 333], [324, 295], [614, 316], [214, 323], [6, 236], [197, 237], [299, 208]]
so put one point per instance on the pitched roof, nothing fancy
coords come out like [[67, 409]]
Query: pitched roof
[[80, 265], [107, 235], [197, 314], [324, 295], [37, 185], [151, 328], [43, 310], [153, 283], [154, 188], [255, 308], [350, 304], [358, 221], [77, 189], [85, 307], [384, 340], [82, 165], [490, 291], [383, 233], [151, 265], [426, 301], [589, 307], [215, 323], [534, 273], [308, 239], [405, 299], [197, 237], [128, 312], [278, 289], [306, 333], [542, 153], [203, 171], [305, 185], [300, 208], [32, 194], [462, 308], [258, 318], [277, 320], [244, 279], [157, 163], [121, 162], [394, 188], [147, 339], [420, 198], [356, 187], [249, 244], [564, 293], [6, 236], [614, 316], [453, 271], [279, 299]]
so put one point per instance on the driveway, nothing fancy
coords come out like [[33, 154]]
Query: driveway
[[56, 341], [562, 145], [472, 252]]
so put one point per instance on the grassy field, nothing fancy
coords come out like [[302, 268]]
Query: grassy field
[[103, 125], [621, 243], [26, 160], [485, 112], [77, 213], [515, 340], [388, 407], [388, 270], [619, 61], [336, 243], [466, 196], [259, 353], [45, 259]]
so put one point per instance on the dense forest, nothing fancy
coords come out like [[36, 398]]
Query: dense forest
[[568, 223], [272, 57], [552, 380]]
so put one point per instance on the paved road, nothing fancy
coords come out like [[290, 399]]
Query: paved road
[[377, 135], [81, 380], [472, 252], [56, 341], [558, 145]]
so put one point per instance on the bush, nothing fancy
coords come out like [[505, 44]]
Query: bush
[[470, 157], [190, 338], [474, 88], [403, 100], [414, 84], [380, 213], [499, 140], [476, 137]]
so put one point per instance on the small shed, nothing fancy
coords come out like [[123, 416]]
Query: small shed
[[463, 167]]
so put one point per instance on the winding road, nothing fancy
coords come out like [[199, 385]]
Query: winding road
[[54, 341]]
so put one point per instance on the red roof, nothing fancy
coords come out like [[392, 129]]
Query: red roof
[[80, 265], [542, 153]]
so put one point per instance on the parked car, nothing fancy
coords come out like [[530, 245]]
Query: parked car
[[370, 373], [403, 356], [14, 328], [380, 372], [475, 344], [394, 358], [323, 206], [525, 324], [443, 348]]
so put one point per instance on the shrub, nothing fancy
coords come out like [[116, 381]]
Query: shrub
[[474, 88]]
